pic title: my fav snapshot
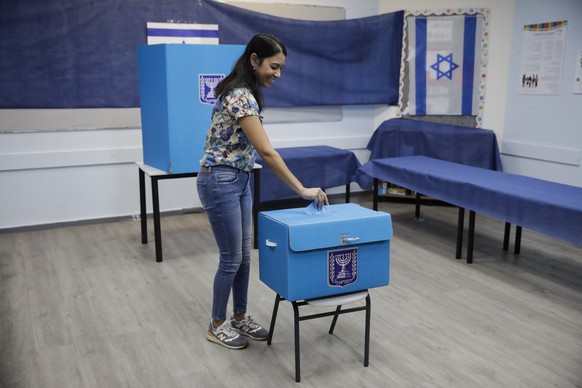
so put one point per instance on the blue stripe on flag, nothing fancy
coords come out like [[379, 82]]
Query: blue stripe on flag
[[183, 33], [468, 64], [420, 66]]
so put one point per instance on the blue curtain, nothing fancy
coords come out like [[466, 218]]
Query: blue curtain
[[83, 53], [347, 62]]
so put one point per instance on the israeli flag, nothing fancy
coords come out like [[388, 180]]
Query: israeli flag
[[444, 61], [182, 33]]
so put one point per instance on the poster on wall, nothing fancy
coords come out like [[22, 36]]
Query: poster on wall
[[578, 74], [542, 56]]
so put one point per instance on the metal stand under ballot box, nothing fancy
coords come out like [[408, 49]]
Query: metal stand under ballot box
[[336, 300]]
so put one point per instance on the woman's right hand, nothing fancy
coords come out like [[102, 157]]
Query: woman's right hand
[[315, 194]]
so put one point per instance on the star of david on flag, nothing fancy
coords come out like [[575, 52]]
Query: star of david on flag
[[439, 68], [444, 61]]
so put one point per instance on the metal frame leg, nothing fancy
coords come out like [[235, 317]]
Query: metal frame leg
[[334, 321], [471, 237], [297, 342], [348, 193], [460, 227], [375, 195], [517, 247], [157, 223], [367, 333], [338, 311], [278, 299], [142, 208], [506, 234], [417, 206]]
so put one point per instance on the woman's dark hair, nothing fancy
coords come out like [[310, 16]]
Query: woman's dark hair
[[242, 74]]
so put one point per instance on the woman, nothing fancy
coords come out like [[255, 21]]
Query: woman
[[233, 139]]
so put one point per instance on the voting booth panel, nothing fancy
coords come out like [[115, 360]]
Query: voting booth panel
[[177, 85], [304, 256]]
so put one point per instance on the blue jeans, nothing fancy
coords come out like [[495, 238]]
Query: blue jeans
[[226, 197]]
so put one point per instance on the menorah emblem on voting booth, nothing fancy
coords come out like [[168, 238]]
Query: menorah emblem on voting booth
[[207, 87]]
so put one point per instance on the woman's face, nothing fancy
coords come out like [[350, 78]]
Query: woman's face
[[269, 70]]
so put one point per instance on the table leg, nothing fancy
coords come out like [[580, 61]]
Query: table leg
[[460, 227], [417, 206], [517, 247], [142, 208], [348, 193], [506, 234], [375, 195], [256, 206], [157, 231], [471, 237]]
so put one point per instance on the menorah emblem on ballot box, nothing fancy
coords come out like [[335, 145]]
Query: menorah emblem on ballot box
[[207, 84], [343, 267]]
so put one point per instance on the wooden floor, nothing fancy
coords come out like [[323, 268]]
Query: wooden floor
[[87, 306]]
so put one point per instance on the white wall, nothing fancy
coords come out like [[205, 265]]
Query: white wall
[[543, 136], [61, 166], [84, 170]]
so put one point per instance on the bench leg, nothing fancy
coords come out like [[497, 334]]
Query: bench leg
[[460, 227], [471, 237], [506, 236], [517, 247]]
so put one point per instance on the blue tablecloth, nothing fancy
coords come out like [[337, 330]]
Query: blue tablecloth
[[405, 137], [546, 207], [315, 166]]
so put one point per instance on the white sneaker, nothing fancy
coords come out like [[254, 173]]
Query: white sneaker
[[226, 336], [249, 328]]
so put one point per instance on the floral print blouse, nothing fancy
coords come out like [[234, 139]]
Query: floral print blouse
[[226, 143]]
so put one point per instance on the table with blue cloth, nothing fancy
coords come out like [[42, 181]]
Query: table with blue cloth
[[546, 207], [406, 137], [314, 166]]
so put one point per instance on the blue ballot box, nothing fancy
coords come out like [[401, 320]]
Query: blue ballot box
[[305, 256], [177, 85]]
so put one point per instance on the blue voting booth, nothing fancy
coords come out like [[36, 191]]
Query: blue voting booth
[[177, 85], [304, 256]]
